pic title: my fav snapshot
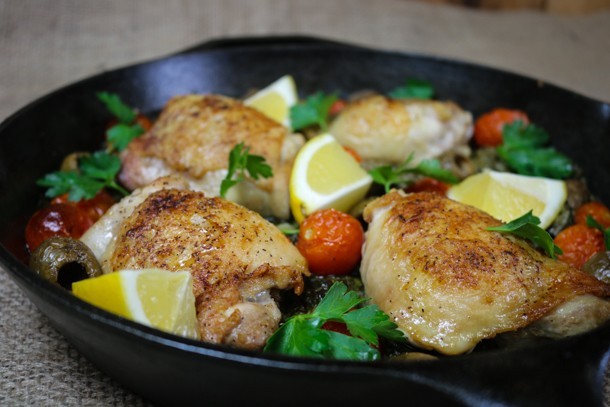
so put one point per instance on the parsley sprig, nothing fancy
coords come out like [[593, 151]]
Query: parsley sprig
[[591, 222], [127, 129], [242, 162], [527, 227], [96, 171], [388, 175], [313, 111], [413, 89], [302, 335], [524, 152]]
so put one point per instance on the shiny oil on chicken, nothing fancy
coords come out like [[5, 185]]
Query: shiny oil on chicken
[[449, 283]]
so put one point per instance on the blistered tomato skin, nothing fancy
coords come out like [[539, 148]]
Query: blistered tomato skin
[[488, 127], [579, 243], [66, 218], [331, 241], [57, 219], [597, 210], [428, 185], [93, 208]]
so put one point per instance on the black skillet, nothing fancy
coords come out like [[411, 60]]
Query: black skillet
[[175, 371]]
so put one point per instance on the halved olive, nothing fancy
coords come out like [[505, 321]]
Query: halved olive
[[63, 260], [599, 266]]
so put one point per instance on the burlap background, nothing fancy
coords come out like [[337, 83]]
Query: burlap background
[[45, 44]]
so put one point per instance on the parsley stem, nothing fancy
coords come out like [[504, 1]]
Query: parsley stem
[[117, 187]]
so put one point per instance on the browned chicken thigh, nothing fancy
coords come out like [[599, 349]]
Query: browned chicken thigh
[[448, 283], [192, 138], [235, 256], [387, 131]]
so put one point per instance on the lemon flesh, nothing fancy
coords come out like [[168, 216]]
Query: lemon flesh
[[152, 297], [325, 176], [507, 196], [275, 100]]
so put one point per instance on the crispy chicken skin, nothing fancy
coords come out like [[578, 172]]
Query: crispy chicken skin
[[102, 235], [235, 256], [448, 283], [384, 130], [192, 138]]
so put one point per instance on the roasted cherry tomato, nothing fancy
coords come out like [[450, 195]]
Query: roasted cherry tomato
[[488, 127], [341, 328], [336, 108], [428, 185], [331, 241], [93, 208], [143, 121], [336, 326], [58, 219], [66, 218], [597, 210], [578, 243]]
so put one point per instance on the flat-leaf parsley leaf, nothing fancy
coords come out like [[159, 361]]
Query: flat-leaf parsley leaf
[[313, 111], [120, 135], [302, 334], [388, 175], [127, 129], [115, 105], [413, 89], [242, 162], [591, 222], [96, 171], [522, 150], [526, 226]]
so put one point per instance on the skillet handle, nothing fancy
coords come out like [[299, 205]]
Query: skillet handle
[[568, 372], [267, 42]]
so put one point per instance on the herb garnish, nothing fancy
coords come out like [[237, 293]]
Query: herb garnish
[[99, 169], [313, 111], [302, 335], [413, 89], [527, 227], [127, 129], [289, 229], [96, 171], [591, 222], [240, 162], [522, 150], [388, 175]]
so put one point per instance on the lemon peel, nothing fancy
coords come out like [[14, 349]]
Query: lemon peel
[[507, 196], [153, 297], [276, 99], [325, 176]]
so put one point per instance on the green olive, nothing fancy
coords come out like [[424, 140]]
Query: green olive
[[599, 266], [63, 260], [70, 162]]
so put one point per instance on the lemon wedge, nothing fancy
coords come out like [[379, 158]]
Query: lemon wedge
[[325, 176], [276, 99], [153, 297], [507, 196]]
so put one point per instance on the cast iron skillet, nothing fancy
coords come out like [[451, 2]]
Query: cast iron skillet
[[174, 371]]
